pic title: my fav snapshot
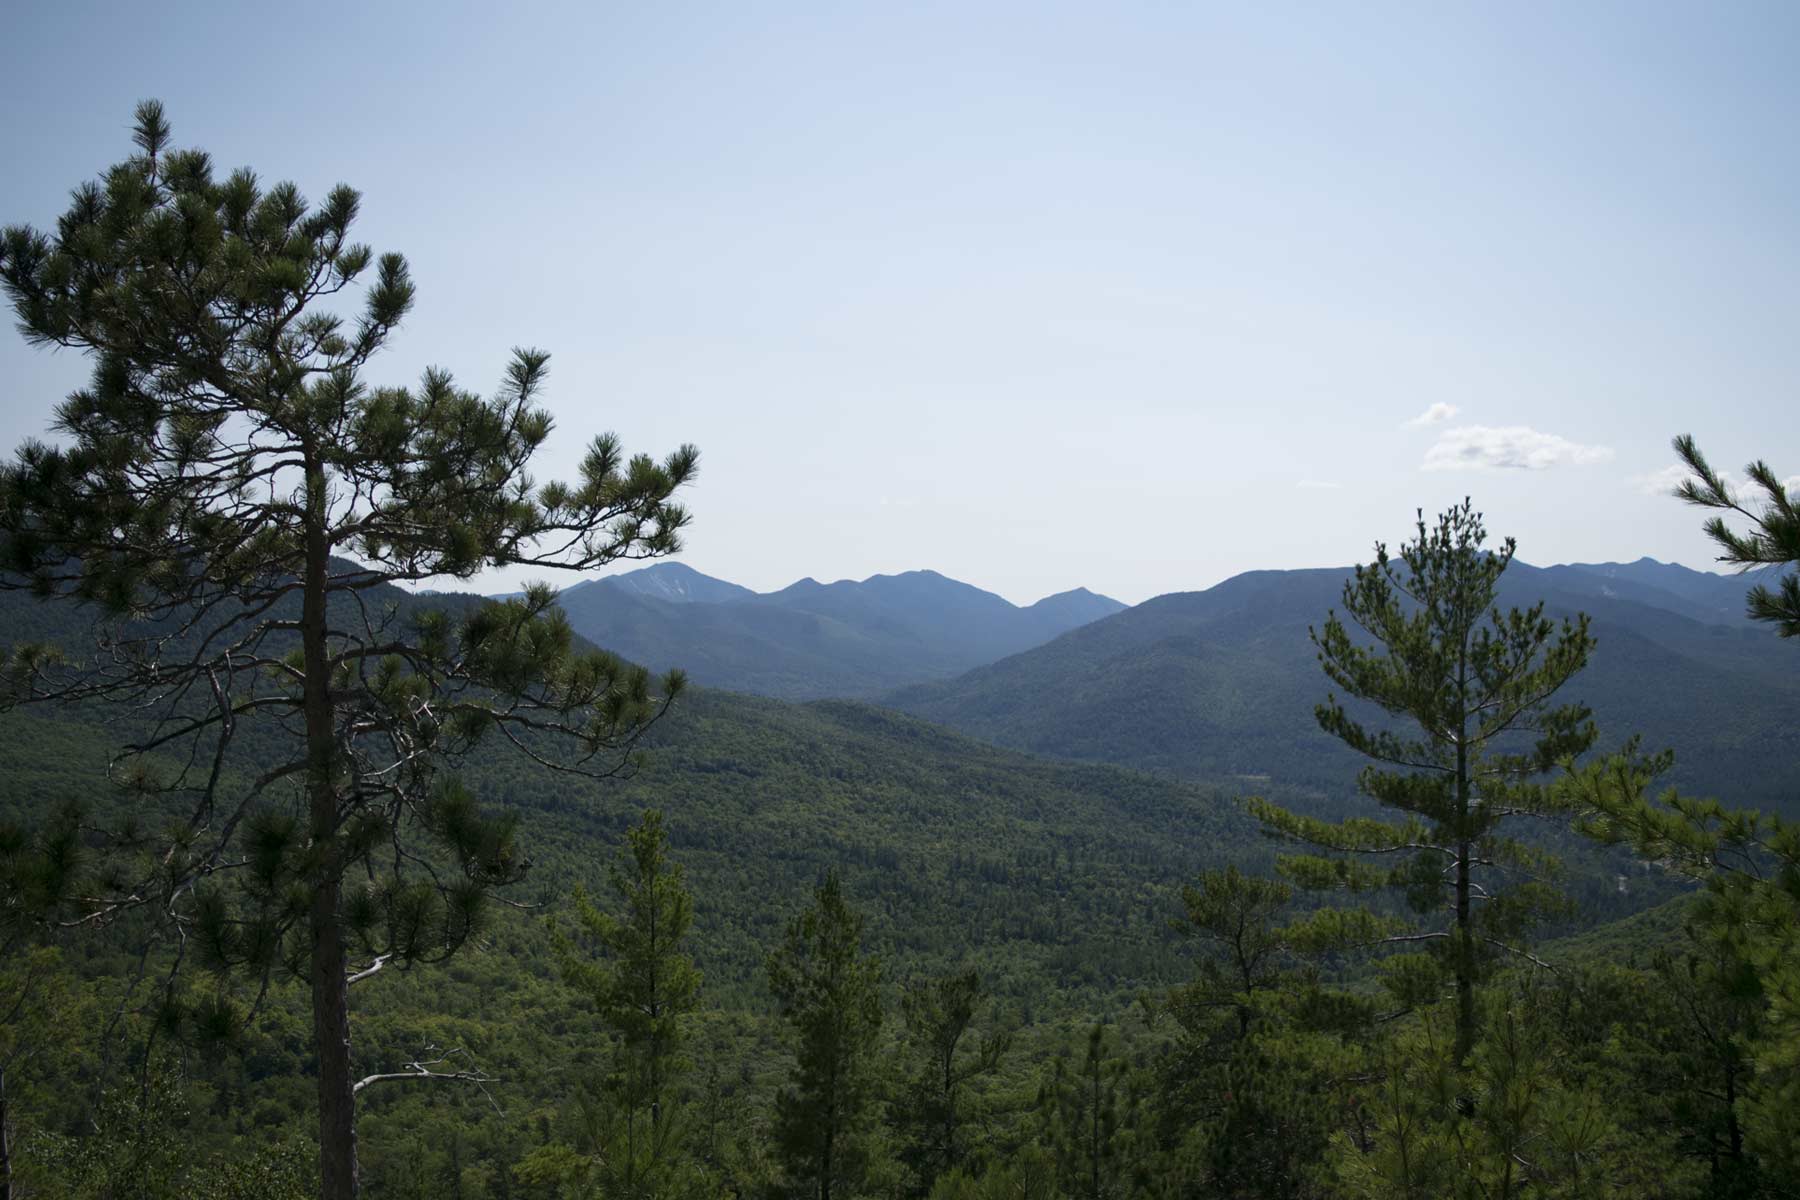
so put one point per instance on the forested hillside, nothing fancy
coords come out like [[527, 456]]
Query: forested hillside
[[1222, 683], [1058, 882]]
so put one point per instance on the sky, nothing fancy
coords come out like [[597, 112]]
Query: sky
[[1131, 296]]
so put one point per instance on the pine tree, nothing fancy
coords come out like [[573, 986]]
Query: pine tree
[[827, 989], [644, 986], [1705, 1052], [1476, 684], [232, 498], [1089, 1117], [938, 1014], [1748, 917], [1236, 914], [1245, 1100], [1772, 541]]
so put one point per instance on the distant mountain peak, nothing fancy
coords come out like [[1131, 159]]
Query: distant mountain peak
[[1078, 603], [677, 583]]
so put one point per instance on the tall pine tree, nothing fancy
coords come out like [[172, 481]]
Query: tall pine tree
[[1473, 687], [1748, 918], [233, 498]]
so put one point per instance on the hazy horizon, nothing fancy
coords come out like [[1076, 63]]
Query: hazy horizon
[[1129, 298]]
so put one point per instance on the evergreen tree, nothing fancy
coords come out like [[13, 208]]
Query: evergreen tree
[[1240, 1110], [1089, 1115], [827, 989], [1236, 914], [1476, 684], [644, 986], [1251, 1088], [1773, 539], [231, 496], [1702, 1058], [932, 1112], [1747, 921]]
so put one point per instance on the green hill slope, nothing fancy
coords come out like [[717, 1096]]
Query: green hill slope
[[1223, 683]]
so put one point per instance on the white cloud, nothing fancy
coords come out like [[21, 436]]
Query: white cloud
[[1517, 447], [1663, 482], [1437, 414], [1317, 485]]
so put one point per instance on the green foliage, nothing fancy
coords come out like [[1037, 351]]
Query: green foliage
[[827, 991], [1091, 1123], [1773, 539], [42, 868], [1271, 1105], [932, 1111], [1742, 975], [1245, 1096], [1536, 1126], [646, 985], [1029, 1173], [644, 988], [1235, 913], [137, 1151]]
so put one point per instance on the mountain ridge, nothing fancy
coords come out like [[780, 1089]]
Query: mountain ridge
[[810, 640], [879, 636], [1222, 682]]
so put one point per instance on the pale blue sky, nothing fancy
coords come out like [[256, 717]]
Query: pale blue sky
[[1039, 296]]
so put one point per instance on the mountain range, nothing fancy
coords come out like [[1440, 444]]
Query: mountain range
[[1223, 682], [810, 639], [1210, 685]]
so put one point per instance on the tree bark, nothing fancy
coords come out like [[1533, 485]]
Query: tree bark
[[1465, 943], [1465, 962], [339, 1178], [338, 1174]]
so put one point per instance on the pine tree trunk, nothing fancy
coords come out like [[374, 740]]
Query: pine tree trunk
[[1465, 962], [338, 1175], [1465, 946]]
